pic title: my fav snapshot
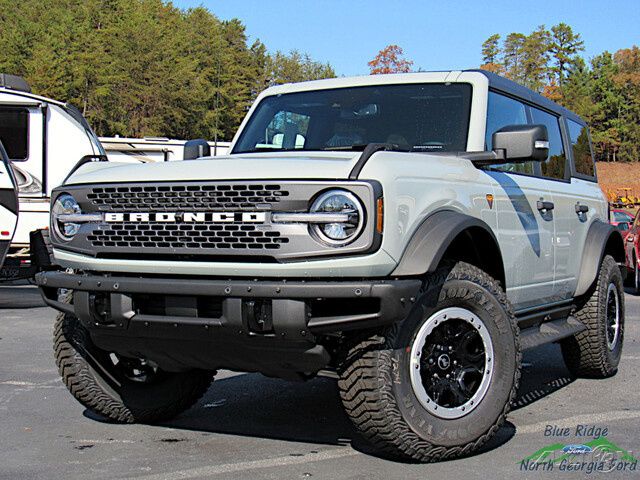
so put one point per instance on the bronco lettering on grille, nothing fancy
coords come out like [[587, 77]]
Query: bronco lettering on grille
[[188, 217]]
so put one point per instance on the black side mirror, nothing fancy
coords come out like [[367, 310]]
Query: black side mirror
[[195, 149], [522, 143]]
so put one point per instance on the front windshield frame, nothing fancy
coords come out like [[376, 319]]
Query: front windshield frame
[[268, 107]]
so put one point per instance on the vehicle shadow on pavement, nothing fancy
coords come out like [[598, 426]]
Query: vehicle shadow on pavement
[[20, 296], [255, 406], [543, 373]]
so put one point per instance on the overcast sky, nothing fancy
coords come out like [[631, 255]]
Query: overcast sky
[[436, 35]]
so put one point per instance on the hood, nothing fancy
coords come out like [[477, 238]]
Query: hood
[[284, 165]]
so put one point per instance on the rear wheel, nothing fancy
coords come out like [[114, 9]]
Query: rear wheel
[[439, 384], [596, 351], [121, 389]]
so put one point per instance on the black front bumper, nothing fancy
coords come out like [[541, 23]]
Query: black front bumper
[[187, 323]]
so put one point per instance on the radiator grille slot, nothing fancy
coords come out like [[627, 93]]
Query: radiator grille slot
[[189, 236], [160, 198]]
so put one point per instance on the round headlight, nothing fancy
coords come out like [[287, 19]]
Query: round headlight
[[65, 204], [341, 202]]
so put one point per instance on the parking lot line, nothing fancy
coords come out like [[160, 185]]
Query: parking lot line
[[210, 470]]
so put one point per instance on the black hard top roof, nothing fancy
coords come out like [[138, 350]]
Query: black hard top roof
[[14, 82], [510, 87]]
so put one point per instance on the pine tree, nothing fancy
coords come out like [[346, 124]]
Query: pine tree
[[564, 47]]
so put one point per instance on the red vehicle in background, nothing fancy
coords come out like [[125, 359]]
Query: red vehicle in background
[[632, 249], [618, 216]]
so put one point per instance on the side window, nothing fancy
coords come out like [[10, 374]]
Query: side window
[[581, 148], [503, 111], [286, 131], [554, 165], [14, 132]]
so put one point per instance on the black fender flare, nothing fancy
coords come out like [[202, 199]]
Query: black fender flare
[[601, 238], [431, 240]]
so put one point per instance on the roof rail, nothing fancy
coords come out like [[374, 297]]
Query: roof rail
[[14, 82]]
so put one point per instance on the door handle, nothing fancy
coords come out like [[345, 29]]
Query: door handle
[[581, 208], [545, 206]]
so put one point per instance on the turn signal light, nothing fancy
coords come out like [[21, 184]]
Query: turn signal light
[[379, 215]]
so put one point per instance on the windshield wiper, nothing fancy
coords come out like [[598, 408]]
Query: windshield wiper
[[372, 148], [361, 147]]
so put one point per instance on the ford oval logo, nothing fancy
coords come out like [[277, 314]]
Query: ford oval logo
[[577, 449]]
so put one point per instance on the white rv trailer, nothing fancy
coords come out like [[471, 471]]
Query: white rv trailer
[[152, 149], [44, 140], [8, 204]]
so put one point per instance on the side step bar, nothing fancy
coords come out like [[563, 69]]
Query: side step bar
[[550, 332]]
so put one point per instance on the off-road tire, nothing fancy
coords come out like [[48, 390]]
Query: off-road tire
[[634, 277], [379, 399], [587, 353], [79, 364]]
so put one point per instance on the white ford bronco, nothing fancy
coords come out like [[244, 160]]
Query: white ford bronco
[[409, 234]]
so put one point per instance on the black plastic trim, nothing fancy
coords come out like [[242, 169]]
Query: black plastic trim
[[598, 236], [430, 241], [396, 296]]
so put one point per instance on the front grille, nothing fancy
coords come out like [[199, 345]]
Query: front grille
[[189, 236], [209, 237], [160, 198]]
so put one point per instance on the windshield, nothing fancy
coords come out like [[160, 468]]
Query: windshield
[[420, 117]]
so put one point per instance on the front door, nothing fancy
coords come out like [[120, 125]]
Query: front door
[[525, 214]]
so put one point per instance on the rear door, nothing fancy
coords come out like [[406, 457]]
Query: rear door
[[579, 202], [8, 204]]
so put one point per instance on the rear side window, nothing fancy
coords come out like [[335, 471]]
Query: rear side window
[[581, 146], [503, 111], [14, 132], [554, 165]]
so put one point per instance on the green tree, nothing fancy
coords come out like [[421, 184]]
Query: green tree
[[491, 53], [295, 67], [534, 58], [564, 47], [513, 56], [141, 67]]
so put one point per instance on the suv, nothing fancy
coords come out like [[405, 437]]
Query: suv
[[408, 234]]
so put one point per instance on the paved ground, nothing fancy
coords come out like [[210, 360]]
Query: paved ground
[[248, 426]]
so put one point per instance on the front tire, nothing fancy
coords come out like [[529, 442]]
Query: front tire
[[462, 337], [128, 391], [596, 351]]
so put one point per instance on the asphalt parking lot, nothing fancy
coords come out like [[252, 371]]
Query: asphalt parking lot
[[249, 426]]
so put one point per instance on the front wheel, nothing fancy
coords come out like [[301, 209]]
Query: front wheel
[[122, 389], [439, 384]]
